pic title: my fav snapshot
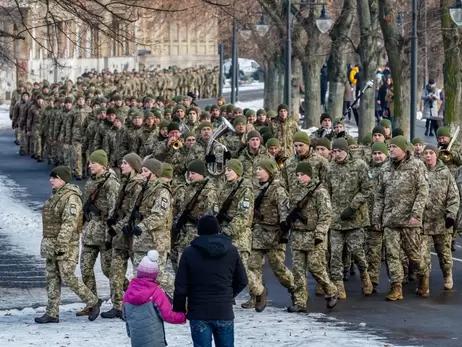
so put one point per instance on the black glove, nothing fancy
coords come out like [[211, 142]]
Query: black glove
[[317, 241], [108, 245], [449, 222], [227, 155], [126, 230], [111, 231], [111, 222], [60, 254], [210, 158], [347, 214], [137, 231]]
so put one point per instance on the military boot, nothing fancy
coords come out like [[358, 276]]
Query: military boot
[[424, 284], [341, 290], [346, 274], [260, 301], [319, 291], [331, 301], [367, 284], [352, 269], [448, 284], [374, 288], [249, 303], [453, 246], [94, 313], [45, 319], [296, 309], [112, 313], [85, 312], [396, 292]]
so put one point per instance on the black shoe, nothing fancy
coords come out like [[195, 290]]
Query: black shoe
[[412, 277], [95, 311], [346, 274], [33, 156], [453, 246], [296, 309], [112, 313], [431, 134], [17, 143], [426, 133], [39, 160], [331, 301], [45, 319]]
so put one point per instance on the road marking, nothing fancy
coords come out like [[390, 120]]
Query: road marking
[[453, 258]]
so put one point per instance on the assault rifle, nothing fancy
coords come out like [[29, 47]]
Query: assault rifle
[[222, 216], [259, 200], [89, 206], [117, 214], [135, 214], [185, 216]]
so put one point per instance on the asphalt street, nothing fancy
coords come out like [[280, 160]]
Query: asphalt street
[[432, 321]]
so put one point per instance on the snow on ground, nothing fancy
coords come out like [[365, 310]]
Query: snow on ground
[[5, 121], [255, 85], [273, 327]]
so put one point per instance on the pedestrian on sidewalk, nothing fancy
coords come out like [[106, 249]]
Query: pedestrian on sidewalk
[[210, 275], [146, 306]]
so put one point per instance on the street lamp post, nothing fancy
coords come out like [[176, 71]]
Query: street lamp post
[[233, 63], [413, 67], [220, 85]]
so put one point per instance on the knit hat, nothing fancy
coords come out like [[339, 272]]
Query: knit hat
[[239, 120], [167, 170], [230, 108], [380, 147], [99, 156], [269, 166], [325, 115], [283, 107], [417, 140], [305, 168], [432, 148], [188, 134], [172, 126], [273, 142], [397, 132], [236, 166], [153, 165], [324, 142], [134, 160], [301, 136], [205, 124], [111, 110], [148, 267], [198, 166], [252, 134], [351, 141], [261, 111], [341, 144], [367, 139], [249, 113], [379, 130], [208, 225], [271, 114], [399, 141], [338, 121], [63, 172], [443, 131], [164, 124], [386, 123]]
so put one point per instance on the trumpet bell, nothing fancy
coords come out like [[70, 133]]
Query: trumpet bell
[[445, 156], [177, 145]]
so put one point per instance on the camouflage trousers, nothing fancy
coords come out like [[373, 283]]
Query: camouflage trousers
[[164, 278], [76, 159], [39, 143], [60, 272], [189, 233], [51, 149], [66, 155], [119, 281], [354, 241], [276, 257], [173, 253], [88, 256], [410, 240], [314, 262], [442, 245], [17, 134], [26, 143], [347, 259], [374, 242]]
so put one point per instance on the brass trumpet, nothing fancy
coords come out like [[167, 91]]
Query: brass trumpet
[[445, 155], [177, 144]]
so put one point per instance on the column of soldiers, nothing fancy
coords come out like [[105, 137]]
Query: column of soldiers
[[154, 167]]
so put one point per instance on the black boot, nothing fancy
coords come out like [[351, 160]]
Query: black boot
[[346, 274], [45, 319], [453, 246], [112, 313], [95, 311]]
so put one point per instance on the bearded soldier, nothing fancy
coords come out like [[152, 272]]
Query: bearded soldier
[[62, 223]]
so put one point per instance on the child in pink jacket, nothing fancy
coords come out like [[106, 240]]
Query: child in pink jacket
[[146, 306]]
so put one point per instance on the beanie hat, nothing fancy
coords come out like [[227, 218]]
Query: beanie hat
[[167, 170], [351, 141], [120, 118], [153, 165], [261, 111], [378, 130], [230, 108], [236, 166], [283, 107], [172, 126], [179, 107], [367, 139], [269, 165], [324, 142], [249, 113], [208, 225], [341, 144], [399, 141], [271, 114], [264, 129], [338, 121], [134, 160], [164, 124], [266, 137], [386, 123], [205, 124], [301, 136], [432, 148], [63, 172], [397, 132], [148, 115], [443, 131], [326, 115], [148, 267], [99, 156], [273, 142], [67, 100], [305, 168], [380, 147], [198, 166], [111, 110], [417, 140], [239, 120], [223, 108], [252, 134], [214, 107], [188, 134]]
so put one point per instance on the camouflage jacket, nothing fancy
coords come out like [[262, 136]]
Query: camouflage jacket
[[284, 131], [349, 185], [90, 132], [131, 141], [111, 145], [197, 151], [401, 194], [65, 136], [178, 161], [250, 162], [374, 170], [103, 128], [79, 115], [235, 143], [148, 140]]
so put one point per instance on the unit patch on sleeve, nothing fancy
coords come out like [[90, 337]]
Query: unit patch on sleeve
[[245, 203], [164, 203], [73, 210]]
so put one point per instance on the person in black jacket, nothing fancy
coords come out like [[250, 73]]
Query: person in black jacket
[[210, 275]]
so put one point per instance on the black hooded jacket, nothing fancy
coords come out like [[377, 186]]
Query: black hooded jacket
[[210, 275]]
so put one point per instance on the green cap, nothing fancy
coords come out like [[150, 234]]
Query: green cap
[[236, 166], [399, 141], [198, 166], [301, 136], [386, 123], [417, 140], [153, 165], [341, 144], [99, 156], [134, 160], [304, 167], [380, 147], [443, 131], [167, 170], [269, 165], [239, 120], [252, 134], [273, 142], [62, 172], [324, 142]]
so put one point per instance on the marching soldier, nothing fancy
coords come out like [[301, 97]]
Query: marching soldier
[[178, 160], [323, 147], [198, 149], [62, 223], [418, 145], [284, 128], [235, 141], [274, 148]]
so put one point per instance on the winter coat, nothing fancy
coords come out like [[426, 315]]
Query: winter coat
[[210, 275], [145, 309], [430, 110]]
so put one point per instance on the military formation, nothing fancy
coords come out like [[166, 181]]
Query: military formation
[[154, 166]]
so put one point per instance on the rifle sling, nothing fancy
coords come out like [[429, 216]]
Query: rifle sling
[[260, 196], [224, 208]]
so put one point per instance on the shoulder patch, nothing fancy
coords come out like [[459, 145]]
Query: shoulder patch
[[245, 203], [73, 210], [329, 204], [164, 203], [369, 174]]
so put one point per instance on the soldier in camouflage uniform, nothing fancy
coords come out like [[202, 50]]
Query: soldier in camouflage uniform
[[418, 145], [76, 127], [37, 128], [62, 223], [440, 215], [65, 135], [152, 230], [101, 191], [149, 133], [132, 139], [197, 150], [323, 147], [130, 187], [15, 99], [349, 187], [269, 217], [178, 161], [309, 241], [164, 150], [399, 204], [235, 142], [274, 148]]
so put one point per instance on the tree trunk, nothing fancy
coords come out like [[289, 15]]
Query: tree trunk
[[312, 83], [367, 13], [274, 83], [295, 90], [337, 62], [452, 67], [398, 55]]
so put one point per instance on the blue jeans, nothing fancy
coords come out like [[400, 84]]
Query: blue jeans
[[222, 331]]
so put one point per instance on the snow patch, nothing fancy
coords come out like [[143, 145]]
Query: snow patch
[[5, 121]]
